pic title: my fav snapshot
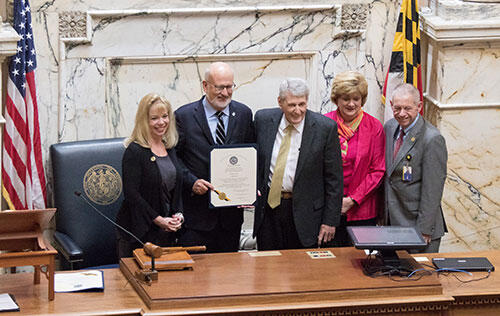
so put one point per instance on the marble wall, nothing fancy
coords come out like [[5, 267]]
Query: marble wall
[[472, 196], [461, 63], [96, 59], [104, 60]]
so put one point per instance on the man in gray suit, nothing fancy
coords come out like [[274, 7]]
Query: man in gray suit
[[300, 173], [415, 168]]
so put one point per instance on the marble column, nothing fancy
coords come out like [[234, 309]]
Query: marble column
[[461, 59]]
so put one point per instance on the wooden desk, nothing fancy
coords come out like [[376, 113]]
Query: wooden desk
[[21, 230], [237, 282], [473, 298], [391, 297], [118, 298]]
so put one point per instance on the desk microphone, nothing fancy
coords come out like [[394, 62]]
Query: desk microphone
[[150, 249]]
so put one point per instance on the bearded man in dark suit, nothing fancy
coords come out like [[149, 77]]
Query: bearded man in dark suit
[[213, 120]]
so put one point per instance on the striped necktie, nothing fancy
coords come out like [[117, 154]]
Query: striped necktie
[[220, 134]]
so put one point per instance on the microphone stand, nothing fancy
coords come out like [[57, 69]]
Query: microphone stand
[[152, 250]]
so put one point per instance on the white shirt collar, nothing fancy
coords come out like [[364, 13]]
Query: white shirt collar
[[209, 109], [299, 127]]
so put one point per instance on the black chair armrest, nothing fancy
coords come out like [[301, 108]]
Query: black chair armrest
[[67, 247]]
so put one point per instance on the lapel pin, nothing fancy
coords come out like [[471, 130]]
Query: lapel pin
[[234, 114], [153, 158], [413, 139], [408, 157]]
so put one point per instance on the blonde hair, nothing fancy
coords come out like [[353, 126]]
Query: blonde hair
[[141, 132], [347, 83]]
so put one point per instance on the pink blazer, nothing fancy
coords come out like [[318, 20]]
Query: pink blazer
[[369, 169]]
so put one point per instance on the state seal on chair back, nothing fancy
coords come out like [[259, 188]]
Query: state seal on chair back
[[92, 167]]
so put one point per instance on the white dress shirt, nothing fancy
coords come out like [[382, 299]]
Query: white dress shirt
[[293, 154], [212, 119]]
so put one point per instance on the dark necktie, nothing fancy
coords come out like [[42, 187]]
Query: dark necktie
[[220, 134], [398, 143]]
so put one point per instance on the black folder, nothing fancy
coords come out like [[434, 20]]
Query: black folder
[[466, 264]]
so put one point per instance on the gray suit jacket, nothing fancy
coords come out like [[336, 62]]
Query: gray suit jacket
[[318, 184], [417, 202]]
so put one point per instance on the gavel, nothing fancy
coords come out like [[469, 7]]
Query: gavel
[[155, 251]]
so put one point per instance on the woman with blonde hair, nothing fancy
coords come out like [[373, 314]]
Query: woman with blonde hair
[[362, 145], [152, 178]]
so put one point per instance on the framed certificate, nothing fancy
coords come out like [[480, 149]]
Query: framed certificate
[[233, 173]]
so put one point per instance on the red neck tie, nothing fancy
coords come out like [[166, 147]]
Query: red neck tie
[[398, 143]]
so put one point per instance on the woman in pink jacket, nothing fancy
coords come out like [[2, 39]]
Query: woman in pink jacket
[[362, 144]]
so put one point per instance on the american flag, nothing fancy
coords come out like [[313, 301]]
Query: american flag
[[23, 177]]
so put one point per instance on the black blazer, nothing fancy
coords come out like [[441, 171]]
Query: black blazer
[[318, 183], [142, 187], [193, 148]]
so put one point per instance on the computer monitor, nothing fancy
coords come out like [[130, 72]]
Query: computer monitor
[[386, 240]]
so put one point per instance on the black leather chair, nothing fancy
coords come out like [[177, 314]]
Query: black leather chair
[[94, 168]]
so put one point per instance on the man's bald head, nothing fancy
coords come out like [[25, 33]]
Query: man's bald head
[[218, 85]]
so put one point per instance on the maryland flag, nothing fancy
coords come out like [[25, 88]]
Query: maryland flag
[[405, 58]]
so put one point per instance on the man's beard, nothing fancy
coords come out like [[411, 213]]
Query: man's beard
[[219, 104]]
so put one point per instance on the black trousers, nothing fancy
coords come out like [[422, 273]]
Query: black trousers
[[219, 239], [278, 230]]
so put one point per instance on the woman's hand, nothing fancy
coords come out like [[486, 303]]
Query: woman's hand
[[347, 204], [180, 216], [173, 224], [169, 224]]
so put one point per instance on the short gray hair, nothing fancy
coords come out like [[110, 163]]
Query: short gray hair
[[295, 86], [407, 89]]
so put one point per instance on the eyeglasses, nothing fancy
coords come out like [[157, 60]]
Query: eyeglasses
[[407, 109], [220, 88]]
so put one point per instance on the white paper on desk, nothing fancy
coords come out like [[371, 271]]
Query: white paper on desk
[[88, 280], [7, 303]]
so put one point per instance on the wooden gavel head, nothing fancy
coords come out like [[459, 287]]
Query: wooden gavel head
[[153, 250]]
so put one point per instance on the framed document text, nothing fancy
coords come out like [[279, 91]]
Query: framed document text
[[233, 173]]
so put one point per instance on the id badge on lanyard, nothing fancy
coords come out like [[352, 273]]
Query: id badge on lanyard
[[407, 170]]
